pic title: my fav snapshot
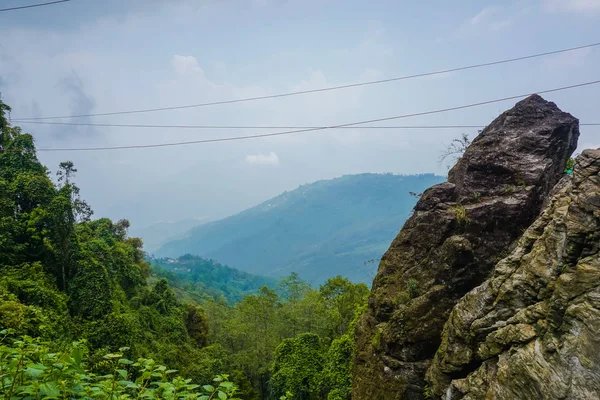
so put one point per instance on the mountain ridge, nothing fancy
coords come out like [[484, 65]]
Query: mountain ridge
[[318, 230]]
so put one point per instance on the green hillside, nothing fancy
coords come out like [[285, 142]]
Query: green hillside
[[323, 229], [194, 279]]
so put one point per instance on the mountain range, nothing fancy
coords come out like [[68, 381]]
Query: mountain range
[[319, 230]]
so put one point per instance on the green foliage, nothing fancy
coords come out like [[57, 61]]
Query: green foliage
[[30, 303], [427, 392], [30, 370], [196, 325], [461, 214], [376, 340], [65, 277], [412, 287], [336, 376], [196, 279], [254, 330], [570, 165], [344, 297], [296, 369]]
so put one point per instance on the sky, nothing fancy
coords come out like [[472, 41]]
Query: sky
[[91, 56]]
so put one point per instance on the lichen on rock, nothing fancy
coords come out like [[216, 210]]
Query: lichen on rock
[[531, 331]]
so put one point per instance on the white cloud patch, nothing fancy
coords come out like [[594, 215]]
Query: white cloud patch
[[263, 159], [186, 64], [574, 6]]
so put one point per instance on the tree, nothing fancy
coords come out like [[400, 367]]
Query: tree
[[66, 171], [292, 288], [297, 367], [195, 323], [5, 131], [344, 297], [337, 377], [65, 277], [63, 241]]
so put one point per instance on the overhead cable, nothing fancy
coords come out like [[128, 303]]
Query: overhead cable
[[33, 5], [258, 126], [290, 132], [325, 89]]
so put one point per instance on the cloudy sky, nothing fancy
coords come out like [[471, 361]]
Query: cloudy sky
[[92, 56]]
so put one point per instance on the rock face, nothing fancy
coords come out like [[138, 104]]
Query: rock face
[[532, 330], [459, 230]]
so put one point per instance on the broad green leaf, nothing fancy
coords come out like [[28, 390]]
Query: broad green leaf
[[49, 389]]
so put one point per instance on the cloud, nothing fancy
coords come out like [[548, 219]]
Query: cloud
[[186, 64], [263, 159], [574, 6]]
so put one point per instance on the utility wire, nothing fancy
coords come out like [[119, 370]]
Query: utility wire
[[34, 5], [320, 128], [21, 122], [214, 103]]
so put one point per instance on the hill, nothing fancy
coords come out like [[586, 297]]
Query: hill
[[319, 230], [194, 279]]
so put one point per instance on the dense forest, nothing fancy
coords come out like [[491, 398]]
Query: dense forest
[[196, 279], [82, 316]]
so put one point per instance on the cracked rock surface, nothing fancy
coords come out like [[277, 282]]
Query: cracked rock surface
[[459, 230]]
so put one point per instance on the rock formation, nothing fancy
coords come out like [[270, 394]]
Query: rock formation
[[532, 330], [459, 230]]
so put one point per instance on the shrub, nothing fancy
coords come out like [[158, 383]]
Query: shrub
[[28, 369]]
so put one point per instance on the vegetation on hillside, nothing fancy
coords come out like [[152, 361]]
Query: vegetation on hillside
[[196, 279], [65, 277], [75, 294], [318, 230], [292, 339]]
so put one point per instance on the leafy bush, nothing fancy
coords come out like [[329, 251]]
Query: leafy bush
[[298, 363], [29, 370]]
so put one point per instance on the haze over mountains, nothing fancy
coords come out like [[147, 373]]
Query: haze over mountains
[[323, 229]]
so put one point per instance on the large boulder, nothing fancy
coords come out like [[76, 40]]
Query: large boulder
[[531, 331], [459, 230]]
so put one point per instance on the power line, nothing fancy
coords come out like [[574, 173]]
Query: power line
[[320, 128], [34, 5], [214, 103], [21, 122]]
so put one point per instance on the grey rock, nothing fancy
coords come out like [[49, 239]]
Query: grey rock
[[459, 230], [531, 331]]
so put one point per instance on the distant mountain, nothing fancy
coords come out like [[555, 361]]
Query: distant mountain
[[194, 279], [160, 233], [319, 230]]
